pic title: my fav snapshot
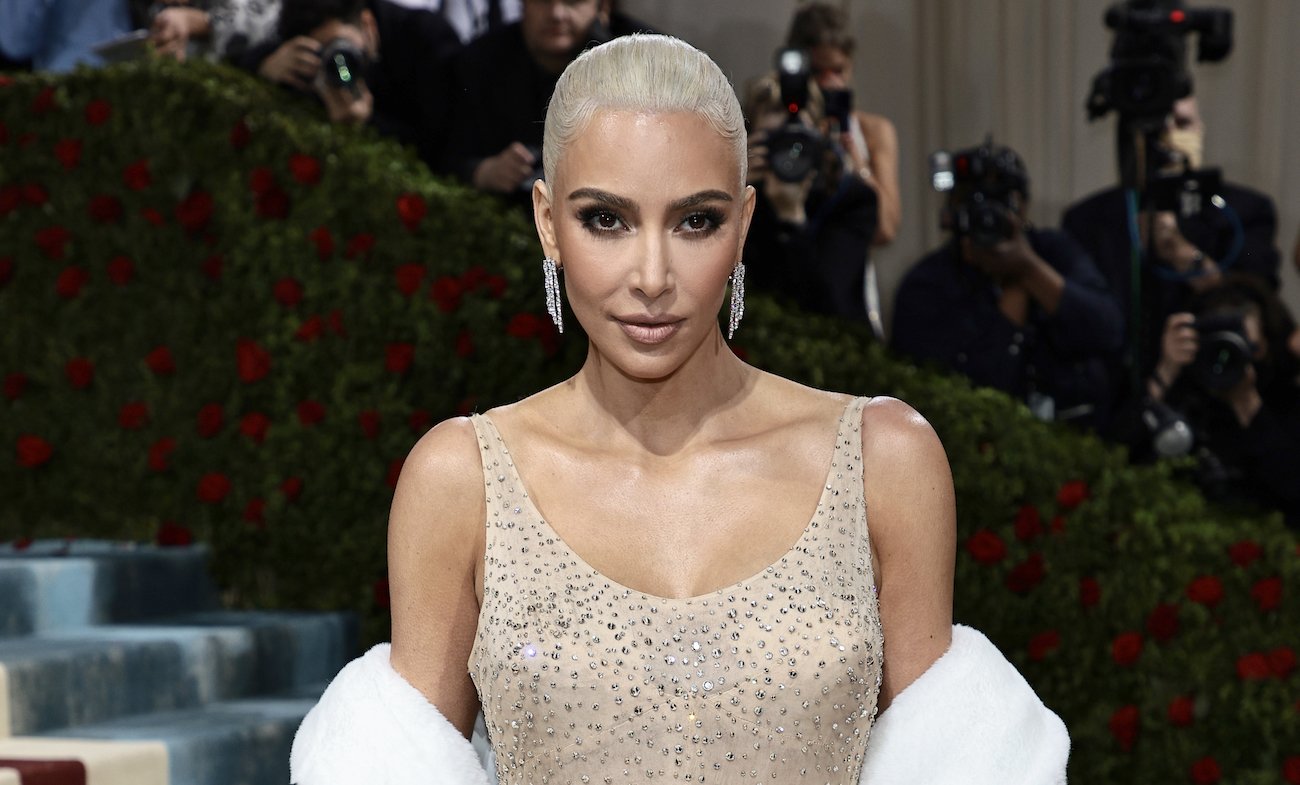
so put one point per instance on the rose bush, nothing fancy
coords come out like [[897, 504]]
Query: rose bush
[[232, 326]]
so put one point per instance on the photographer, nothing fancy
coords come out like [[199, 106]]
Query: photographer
[[1224, 389], [374, 63], [814, 219], [1020, 309]]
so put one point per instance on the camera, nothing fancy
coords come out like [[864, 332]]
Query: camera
[[1223, 354], [344, 65], [979, 182], [794, 150], [1148, 57]]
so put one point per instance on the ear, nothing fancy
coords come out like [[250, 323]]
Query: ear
[[544, 218], [746, 216]]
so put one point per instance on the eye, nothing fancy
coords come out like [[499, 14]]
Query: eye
[[701, 223], [600, 220]]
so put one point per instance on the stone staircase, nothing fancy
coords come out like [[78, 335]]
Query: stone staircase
[[118, 668]]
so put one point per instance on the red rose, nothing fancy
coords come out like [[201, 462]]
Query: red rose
[[305, 169], [473, 277], [121, 270], [1253, 667], [68, 151], [240, 135], [464, 344], [334, 321], [310, 412], [152, 216], [213, 487], [1124, 726], [70, 282], [212, 265], [255, 511], [105, 209], [1027, 574], [98, 112], [171, 534], [1281, 661], [1267, 593], [1043, 644], [380, 593], [160, 454], [1072, 494], [33, 451], [252, 361], [291, 488], [288, 292], [419, 420], [310, 329], [1028, 523], [1058, 524], [11, 196], [986, 547], [324, 242], [254, 425], [35, 195], [1206, 771], [45, 101], [136, 175], [80, 372], [399, 356], [1181, 711], [133, 416], [160, 361], [260, 180], [496, 286], [6, 270], [1089, 592], [394, 472], [14, 385], [273, 204], [194, 212], [1126, 648], [53, 241], [446, 292], [211, 418], [524, 325], [1244, 552], [1291, 769], [1206, 590], [1162, 624], [411, 209], [369, 422], [409, 277], [359, 245]]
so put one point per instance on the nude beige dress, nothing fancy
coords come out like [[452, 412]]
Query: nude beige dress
[[773, 679]]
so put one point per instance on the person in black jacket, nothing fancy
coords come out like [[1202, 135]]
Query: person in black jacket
[[1028, 314]]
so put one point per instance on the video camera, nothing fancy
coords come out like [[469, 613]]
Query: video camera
[[794, 150], [1148, 57], [979, 182]]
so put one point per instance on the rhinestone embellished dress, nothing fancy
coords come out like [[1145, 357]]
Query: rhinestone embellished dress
[[773, 679]]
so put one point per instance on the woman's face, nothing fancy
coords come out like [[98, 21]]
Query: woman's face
[[647, 217], [832, 69]]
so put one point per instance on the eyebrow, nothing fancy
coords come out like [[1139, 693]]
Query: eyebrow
[[623, 203]]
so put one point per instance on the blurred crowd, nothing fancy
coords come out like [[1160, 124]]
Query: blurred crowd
[[1151, 316]]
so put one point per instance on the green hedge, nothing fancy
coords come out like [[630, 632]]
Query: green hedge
[[228, 321]]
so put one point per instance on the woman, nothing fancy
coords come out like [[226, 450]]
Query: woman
[[659, 569]]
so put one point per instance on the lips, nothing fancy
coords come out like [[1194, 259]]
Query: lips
[[647, 330]]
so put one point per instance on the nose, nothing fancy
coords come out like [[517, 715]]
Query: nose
[[653, 276]]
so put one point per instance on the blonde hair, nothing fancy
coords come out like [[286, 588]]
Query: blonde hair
[[641, 73]]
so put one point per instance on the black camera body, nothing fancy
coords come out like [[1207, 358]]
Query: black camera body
[[979, 182], [344, 65], [1148, 67], [794, 150], [1223, 354]]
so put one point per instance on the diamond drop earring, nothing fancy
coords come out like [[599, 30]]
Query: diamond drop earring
[[737, 299], [551, 280]]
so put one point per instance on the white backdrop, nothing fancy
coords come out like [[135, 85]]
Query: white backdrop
[[948, 72]]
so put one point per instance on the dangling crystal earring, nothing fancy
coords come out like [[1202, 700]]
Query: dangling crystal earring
[[551, 280], [737, 299]]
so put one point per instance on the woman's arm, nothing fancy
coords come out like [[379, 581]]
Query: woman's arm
[[882, 173], [912, 519], [435, 553]]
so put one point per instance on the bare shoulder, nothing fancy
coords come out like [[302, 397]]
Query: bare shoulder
[[443, 467], [904, 461]]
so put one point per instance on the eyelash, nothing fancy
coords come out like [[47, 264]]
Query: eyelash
[[591, 215]]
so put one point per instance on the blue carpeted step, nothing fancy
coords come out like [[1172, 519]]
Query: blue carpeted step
[[244, 742], [56, 584], [80, 676]]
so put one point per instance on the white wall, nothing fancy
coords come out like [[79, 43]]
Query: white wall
[[947, 72]]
